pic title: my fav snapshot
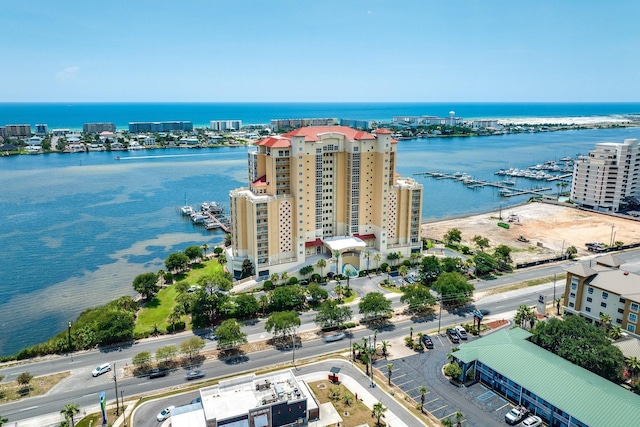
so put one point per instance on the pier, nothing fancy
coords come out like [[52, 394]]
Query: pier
[[211, 216], [507, 189]]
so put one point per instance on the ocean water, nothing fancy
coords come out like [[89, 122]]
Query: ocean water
[[75, 115], [76, 229]]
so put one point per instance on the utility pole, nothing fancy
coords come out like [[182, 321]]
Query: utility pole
[[115, 382], [69, 329]]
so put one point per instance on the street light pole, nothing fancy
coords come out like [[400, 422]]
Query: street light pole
[[69, 335], [115, 382], [439, 315]]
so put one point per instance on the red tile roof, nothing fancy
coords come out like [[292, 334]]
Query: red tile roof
[[382, 131], [317, 242], [275, 142], [365, 236], [311, 133], [260, 181]]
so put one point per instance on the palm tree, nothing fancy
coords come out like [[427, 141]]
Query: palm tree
[[367, 255], [3, 420], [385, 348], [222, 260], [321, 264], [389, 371], [378, 412], [274, 278], [264, 301], [388, 273], [605, 320], [558, 301], [336, 255], [69, 411], [633, 363], [377, 258], [347, 399], [423, 392], [284, 276], [524, 314], [175, 316], [615, 332], [458, 416], [205, 248], [348, 271], [403, 270], [446, 422]]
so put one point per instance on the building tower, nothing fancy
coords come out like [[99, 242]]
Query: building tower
[[319, 191]]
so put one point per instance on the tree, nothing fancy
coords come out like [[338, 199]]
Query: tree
[[175, 316], [282, 323], [615, 332], [581, 343], [274, 278], [194, 252], [446, 422], [482, 242], [336, 255], [24, 379], [348, 272], [403, 270], [317, 292], [459, 416], [633, 364], [205, 248], [451, 264], [217, 251], [142, 360], [418, 297], [247, 269], [453, 288], [389, 371], [485, 263], [246, 305], [430, 270], [452, 370], [146, 284], [524, 315], [70, 410], [192, 346], [331, 314], [423, 392], [321, 264], [503, 253], [167, 352], [306, 270], [605, 320], [388, 269], [452, 236], [227, 239], [286, 298], [385, 348], [393, 256], [230, 335], [3, 420], [558, 301], [264, 302], [347, 399], [374, 304], [176, 261], [571, 251], [378, 412], [377, 258], [284, 276]]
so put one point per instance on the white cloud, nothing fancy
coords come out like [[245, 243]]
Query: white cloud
[[69, 73]]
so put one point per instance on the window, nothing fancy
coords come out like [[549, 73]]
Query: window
[[574, 286], [633, 318], [572, 294], [605, 295], [603, 304], [633, 306], [631, 328], [589, 299], [587, 309], [590, 290]]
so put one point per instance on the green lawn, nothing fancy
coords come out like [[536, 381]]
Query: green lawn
[[156, 312]]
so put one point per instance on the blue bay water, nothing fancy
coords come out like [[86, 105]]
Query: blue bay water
[[76, 229]]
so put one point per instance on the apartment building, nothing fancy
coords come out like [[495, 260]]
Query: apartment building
[[607, 176], [42, 129], [225, 125], [183, 126], [600, 287], [277, 124], [98, 127], [320, 191], [17, 130]]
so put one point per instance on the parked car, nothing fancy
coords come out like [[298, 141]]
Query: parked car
[[453, 336], [99, 370], [426, 341], [196, 400], [194, 375], [462, 333], [532, 421], [515, 415], [333, 336], [165, 413], [157, 373]]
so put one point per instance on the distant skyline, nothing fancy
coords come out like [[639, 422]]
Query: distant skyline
[[319, 51]]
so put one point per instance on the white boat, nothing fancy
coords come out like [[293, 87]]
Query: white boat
[[505, 192], [186, 210]]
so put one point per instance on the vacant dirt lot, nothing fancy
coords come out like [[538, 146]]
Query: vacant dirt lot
[[549, 228]]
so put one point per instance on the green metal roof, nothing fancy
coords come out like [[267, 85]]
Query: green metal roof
[[584, 395]]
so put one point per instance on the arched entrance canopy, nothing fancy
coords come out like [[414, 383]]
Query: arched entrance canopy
[[344, 243]]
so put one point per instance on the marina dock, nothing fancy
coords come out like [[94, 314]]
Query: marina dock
[[507, 188], [211, 216]]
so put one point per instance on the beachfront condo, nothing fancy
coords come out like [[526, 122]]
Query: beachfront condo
[[324, 192]]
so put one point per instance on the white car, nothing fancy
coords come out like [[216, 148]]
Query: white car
[[165, 413], [105, 367], [462, 333], [532, 421], [337, 336]]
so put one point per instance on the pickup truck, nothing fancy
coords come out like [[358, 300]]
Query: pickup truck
[[515, 415]]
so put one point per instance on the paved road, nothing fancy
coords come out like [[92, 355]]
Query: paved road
[[83, 389]]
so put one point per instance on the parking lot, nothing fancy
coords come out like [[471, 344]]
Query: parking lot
[[478, 403]]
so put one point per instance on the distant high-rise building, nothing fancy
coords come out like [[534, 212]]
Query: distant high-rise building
[[17, 130], [324, 191], [98, 127], [171, 126], [277, 124], [42, 129], [225, 125], [358, 124], [607, 176]]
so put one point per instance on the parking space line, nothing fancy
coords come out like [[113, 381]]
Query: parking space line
[[503, 406], [437, 409], [431, 401], [401, 384]]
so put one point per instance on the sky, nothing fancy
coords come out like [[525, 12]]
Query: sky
[[319, 51]]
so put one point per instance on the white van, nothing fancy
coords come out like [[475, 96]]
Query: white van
[[105, 367]]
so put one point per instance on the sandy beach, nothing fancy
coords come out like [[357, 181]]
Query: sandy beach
[[550, 229]]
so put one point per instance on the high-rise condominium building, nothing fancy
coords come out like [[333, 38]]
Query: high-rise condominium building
[[324, 192], [98, 127], [609, 175]]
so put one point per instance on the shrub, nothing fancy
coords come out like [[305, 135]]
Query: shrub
[[408, 341], [383, 267], [293, 280], [268, 285], [315, 277]]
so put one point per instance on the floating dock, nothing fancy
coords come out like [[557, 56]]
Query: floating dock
[[506, 189]]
